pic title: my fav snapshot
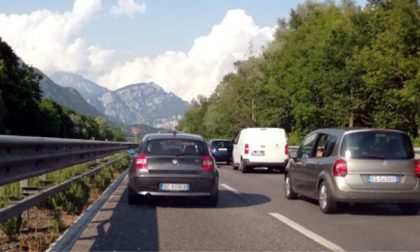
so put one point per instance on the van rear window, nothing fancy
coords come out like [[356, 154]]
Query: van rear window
[[377, 145]]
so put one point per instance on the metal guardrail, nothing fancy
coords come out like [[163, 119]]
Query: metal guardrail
[[26, 157], [28, 202]]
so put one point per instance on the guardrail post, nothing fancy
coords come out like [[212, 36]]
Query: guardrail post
[[24, 183]]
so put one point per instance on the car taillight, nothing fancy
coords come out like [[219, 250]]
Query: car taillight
[[246, 149], [339, 168], [417, 168], [141, 162], [286, 149], [207, 164]]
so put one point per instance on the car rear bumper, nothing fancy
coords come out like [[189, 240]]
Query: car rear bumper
[[222, 158], [375, 196], [150, 186], [249, 163]]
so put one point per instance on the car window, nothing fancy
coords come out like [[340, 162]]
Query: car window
[[329, 145], [320, 146], [377, 145], [174, 147], [221, 144], [307, 148]]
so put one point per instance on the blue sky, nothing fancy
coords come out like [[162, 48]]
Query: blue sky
[[165, 25], [186, 46]]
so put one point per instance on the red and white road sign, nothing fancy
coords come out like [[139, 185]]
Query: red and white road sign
[[135, 130]]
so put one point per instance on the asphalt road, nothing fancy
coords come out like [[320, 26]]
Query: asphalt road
[[252, 215]]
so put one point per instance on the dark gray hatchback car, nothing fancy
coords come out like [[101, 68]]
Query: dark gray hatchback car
[[173, 164], [355, 166]]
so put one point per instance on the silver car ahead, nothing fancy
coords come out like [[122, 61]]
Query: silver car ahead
[[355, 166], [171, 164]]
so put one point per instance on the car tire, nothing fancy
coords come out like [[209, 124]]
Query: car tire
[[213, 200], [235, 167], [243, 167], [288, 188], [326, 203], [132, 196], [408, 209]]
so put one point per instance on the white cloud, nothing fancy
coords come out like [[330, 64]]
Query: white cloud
[[49, 41], [128, 7], [198, 71]]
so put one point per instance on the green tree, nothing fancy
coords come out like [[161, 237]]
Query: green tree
[[20, 92]]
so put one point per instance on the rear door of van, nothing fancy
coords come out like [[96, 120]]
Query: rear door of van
[[268, 145]]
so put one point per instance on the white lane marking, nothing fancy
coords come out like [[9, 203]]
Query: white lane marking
[[308, 233], [231, 189]]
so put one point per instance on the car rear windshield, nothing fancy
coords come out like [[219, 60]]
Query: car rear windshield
[[174, 147], [221, 144], [377, 145]]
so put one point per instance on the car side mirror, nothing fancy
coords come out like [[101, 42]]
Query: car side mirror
[[131, 152]]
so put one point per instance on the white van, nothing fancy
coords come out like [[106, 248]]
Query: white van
[[260, 147]]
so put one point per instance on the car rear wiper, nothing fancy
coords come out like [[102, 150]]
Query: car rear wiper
[[371, 157]]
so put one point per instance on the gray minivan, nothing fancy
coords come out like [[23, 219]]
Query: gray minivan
[[355, 166]]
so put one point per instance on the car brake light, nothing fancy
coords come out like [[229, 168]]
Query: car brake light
[[339, 168], [246, 149], [207, 164], [286, 149], [417, 168], [141, 162]]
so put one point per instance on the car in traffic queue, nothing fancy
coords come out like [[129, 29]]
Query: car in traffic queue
[[336, 166], [173, 164], [221, 150], [260, 147]]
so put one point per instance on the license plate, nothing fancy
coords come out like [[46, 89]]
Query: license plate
[[222, 149], [257, 153], [384, 179], [174, 187]]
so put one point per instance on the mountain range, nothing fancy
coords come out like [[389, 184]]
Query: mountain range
[[140, 103], [66, 97]]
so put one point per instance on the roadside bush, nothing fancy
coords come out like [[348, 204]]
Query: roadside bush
[[416, 142], [103, 178], [56, 226], [71, 200], [11, 226], [294, 138]]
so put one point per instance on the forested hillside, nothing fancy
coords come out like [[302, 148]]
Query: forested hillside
[[330, 65], [23, 112]]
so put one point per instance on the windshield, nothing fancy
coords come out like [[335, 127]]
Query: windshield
[[377, 145], [174, 147]]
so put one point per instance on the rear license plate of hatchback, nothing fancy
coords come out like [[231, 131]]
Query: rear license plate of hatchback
[[174, 187], [258, 153], [384, 179]]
